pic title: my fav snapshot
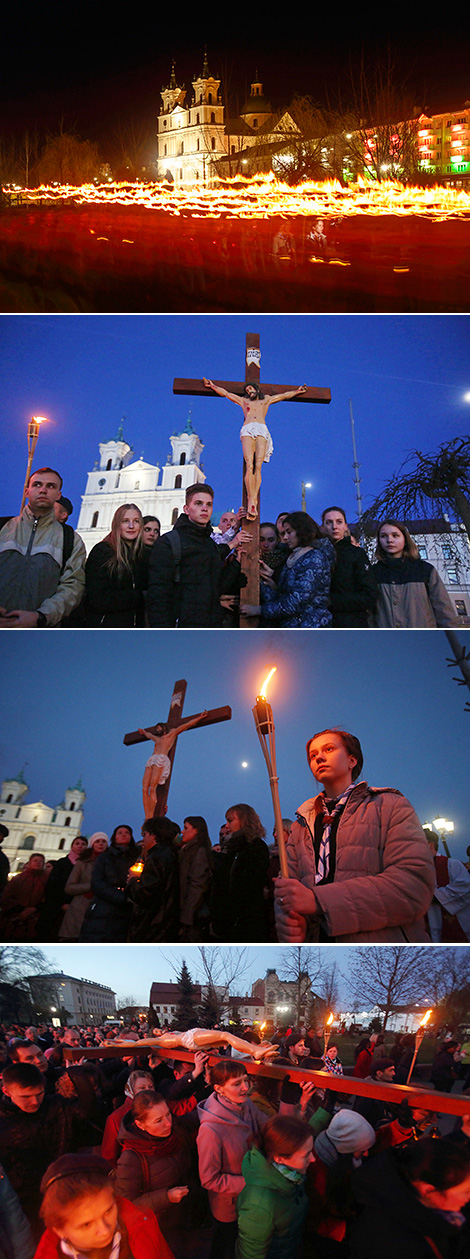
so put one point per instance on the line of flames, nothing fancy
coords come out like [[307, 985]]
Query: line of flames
[[265, 197]]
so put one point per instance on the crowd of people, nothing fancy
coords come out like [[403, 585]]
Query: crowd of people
[[360, 868], [191, 577], [135, 1155]]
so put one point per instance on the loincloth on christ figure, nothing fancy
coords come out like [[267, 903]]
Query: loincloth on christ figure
[[253, 429], [160, 759]]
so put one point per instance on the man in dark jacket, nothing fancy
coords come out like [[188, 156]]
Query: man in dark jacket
[[186, 569], [36, 1129], [155, 894], [352, 593]]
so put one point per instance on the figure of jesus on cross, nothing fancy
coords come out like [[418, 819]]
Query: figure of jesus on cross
[[256, 444], [256, 440]]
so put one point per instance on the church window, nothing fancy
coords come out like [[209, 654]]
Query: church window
[[178, 480], [197, 119], [67, 821], [213, 143], [212, 116], [72, 806], [174, 515], [9, 799], [95, 519], [109, 465], [28, 842], [255, 122], [183, 456], [209, 98], [61, 845]]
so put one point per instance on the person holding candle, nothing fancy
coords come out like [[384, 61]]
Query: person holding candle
[[358, 862], [107, 917]]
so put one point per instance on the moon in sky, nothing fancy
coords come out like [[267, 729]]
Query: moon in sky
[[244, 764]]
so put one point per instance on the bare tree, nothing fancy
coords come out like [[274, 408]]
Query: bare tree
[[440, 482], [389, 977], [448, 983], [381, 122], [301, 968], [66, 159]]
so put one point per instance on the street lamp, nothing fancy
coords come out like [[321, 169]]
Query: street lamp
[[306, 485], [33, 434], [443, 827]]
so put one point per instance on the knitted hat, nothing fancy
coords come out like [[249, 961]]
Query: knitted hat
[[349, 1131], [98, 835]]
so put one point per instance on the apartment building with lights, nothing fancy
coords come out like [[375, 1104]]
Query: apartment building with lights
[[444, 145]]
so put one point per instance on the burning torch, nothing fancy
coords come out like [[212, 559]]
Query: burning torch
[[265, 728], [33, 434], [418, 1041], [327, 1033]]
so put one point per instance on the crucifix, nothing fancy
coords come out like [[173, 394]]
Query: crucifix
[[157, 776], [250, 560]]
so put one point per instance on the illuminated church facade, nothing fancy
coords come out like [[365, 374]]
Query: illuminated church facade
[[119, 478], [198, 143]]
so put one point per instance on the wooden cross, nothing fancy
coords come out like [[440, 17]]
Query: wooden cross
[[250, 561], [174, 718]]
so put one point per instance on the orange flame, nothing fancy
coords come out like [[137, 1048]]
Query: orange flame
[[426, 1018], [265, 196], [39, 419], [266, 681], [330, 1020]]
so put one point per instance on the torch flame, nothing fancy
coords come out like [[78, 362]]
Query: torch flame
[[267, 681], [265, 196], [426, 1018], [330, 1020], [40, 419]]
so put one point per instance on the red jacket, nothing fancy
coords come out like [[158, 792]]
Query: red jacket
[[145, 1238]]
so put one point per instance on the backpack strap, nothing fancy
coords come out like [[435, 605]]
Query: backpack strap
[[174, 539]]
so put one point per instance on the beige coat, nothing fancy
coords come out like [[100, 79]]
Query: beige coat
[[384, 876]]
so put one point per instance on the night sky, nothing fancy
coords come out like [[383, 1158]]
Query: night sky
[[406, 377], [69, 698], [93, 67]]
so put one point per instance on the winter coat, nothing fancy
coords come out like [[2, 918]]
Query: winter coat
[[225, 1131], [16, 1238], [193, 600], [141, 1228], [149, 1166], [195, 880], [31, 574], [444, 1070], [107, 918], [78, 887], [271, 1211], [155, 896], [238, 905], [110, 1145], [303, 591], [24, 892], [353, 592], [393, 1222], [55, 898], [30, 1141], [384, 876], [113, 601], [411, 595]]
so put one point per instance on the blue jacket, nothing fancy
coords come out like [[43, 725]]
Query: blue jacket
[[302, 596]]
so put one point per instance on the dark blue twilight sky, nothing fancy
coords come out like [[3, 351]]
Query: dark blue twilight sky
[[406, 376], [68, 698]]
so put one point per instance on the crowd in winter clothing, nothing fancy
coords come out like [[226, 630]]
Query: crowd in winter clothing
[[141, 1157], [191, 577]]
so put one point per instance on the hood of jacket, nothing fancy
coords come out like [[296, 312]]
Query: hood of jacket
[[308, 811], [258, 1171], [183, 522], [216, 1110]]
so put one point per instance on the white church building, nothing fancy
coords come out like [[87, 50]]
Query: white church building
[[38, 827], [118, 478], [197, 142]]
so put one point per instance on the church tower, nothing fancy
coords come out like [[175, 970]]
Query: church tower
[[38, 827], [191, 137], [117, 480]]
